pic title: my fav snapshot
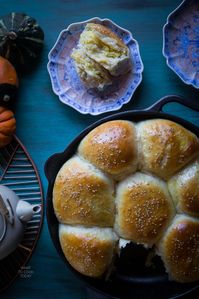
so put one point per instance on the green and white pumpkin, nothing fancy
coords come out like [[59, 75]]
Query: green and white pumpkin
[[21, 40]]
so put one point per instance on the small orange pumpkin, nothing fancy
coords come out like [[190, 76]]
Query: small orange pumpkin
[[7, 126], [8, 83]]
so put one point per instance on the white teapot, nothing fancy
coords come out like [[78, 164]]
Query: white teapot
[[14, 213]]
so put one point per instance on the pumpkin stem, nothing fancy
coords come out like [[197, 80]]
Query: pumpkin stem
[[12, 35]]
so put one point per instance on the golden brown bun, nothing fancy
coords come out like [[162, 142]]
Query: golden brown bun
[[91, 72], [165, 147], [106, 32], [89, 250], [106, 48], [82, 194], [179, 249], [144, 209], [99, 56], [112, 147], [184, 188]]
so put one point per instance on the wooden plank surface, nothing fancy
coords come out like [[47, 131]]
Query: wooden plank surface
[[46, 126]]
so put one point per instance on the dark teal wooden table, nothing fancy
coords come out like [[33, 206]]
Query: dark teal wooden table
[[46, 126]]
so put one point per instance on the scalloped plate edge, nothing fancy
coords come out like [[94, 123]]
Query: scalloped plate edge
[[102, 110], [186, 81]]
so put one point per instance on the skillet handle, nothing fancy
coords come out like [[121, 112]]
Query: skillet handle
[[173, 98]]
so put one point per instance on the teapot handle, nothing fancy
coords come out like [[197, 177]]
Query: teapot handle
[[10, 215], [7, 215], [6, 210], [4, 228]]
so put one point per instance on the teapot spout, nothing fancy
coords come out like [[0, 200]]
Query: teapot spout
[[25, 210]]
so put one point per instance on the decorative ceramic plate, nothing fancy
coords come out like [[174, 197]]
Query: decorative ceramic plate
[[181, 41], [67, 85], [18, 172]]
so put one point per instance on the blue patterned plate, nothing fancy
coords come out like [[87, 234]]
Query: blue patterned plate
[[181, 41], [67, 85]]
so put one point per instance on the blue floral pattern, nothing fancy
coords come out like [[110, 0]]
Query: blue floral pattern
[[181, 42], [67, 85]]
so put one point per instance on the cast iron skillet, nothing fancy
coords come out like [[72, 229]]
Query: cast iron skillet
[[131, 279]]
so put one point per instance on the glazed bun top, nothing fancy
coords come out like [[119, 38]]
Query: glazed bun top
[[112, 147], [179, 249], [82, 194], [144, 209], [184, 188], [89, 250], [131, 182], [165, 146]]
